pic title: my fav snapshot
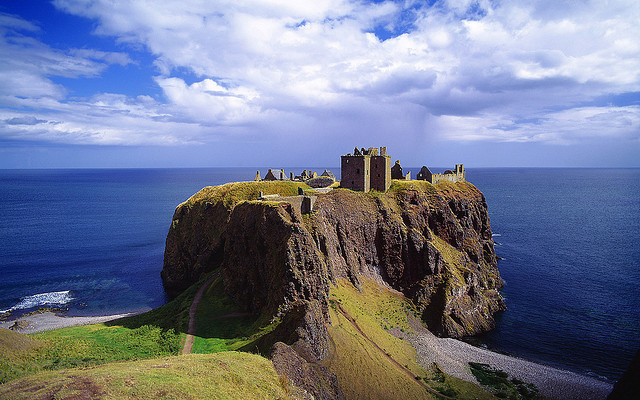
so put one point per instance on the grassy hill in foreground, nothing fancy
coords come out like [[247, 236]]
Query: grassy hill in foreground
[[157, 333], [193, 376]]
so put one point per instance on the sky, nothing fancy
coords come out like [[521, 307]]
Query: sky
[[136, 84]]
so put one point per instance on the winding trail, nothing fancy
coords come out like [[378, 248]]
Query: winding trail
[[188, 342], [397, 364]]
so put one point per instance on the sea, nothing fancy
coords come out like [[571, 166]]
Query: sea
[[91, 242]]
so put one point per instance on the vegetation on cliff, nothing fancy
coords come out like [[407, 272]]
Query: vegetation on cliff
[[190, 253], [433, 243], [84, 346], [369, 361]]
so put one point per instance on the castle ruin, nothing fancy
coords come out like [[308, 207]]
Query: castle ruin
[[397, 173], [458, 175], [366, 170], [370, 169], [307, 176]]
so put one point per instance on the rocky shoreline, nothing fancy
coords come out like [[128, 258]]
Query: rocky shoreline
[[48, 320], [453, 357]]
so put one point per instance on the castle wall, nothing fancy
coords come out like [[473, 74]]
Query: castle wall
[[458, 175], [304, 204], [380, 173], [437, 178], [356, 172]]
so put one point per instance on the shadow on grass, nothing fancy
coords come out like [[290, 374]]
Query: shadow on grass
[[220, 323], [218, 316], [173, 315]]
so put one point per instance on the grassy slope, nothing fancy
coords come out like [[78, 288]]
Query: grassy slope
[[194, 376], [12, 343], [232, 193], [157, 333], [42, 361], [85, 346], [363, 371]]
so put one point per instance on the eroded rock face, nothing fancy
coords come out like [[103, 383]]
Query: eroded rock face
[[298, 363], [433, 243]]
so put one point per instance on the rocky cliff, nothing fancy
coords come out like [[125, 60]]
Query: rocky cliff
[[432, 243]]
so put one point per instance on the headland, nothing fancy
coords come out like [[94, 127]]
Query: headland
[[353, 290]]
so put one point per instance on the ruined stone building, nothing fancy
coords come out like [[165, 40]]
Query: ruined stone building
[[397, 173], [307, 176], [304, 176], [366, 170], [275, 175], [328, 174], [458, 175]]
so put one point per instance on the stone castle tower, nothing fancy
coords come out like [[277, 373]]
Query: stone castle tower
[[366, 169]]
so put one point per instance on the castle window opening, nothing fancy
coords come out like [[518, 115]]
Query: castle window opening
[[358, 171]]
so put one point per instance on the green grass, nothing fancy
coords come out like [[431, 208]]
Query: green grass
[[363, 371], [173, 315], [157, 333], [229, 375], [85, 346], [13, 343], [221, 325], [232, 193]]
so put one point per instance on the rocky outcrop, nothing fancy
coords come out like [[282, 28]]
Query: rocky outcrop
[[432, 243], [298, 364]]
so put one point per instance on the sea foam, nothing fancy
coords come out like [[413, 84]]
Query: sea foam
[[41, 299]]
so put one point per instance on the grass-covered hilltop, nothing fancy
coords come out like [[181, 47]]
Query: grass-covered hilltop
[[327, 305]]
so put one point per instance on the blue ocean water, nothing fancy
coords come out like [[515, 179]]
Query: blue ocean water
[[93, 241], [571, 265]]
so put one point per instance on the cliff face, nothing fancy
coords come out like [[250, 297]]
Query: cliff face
[[432, 243]]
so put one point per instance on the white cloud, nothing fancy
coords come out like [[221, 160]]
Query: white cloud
[[473, 70], [209, 102], [11, 22], [106, 119], [562, 127]]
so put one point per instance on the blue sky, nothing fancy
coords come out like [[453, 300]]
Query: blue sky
[[104, 83]]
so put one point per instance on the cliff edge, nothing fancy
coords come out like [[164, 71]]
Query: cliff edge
[[431, 242]]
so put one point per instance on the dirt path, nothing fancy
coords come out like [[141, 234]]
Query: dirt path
[[188, 342], [397, 364]]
